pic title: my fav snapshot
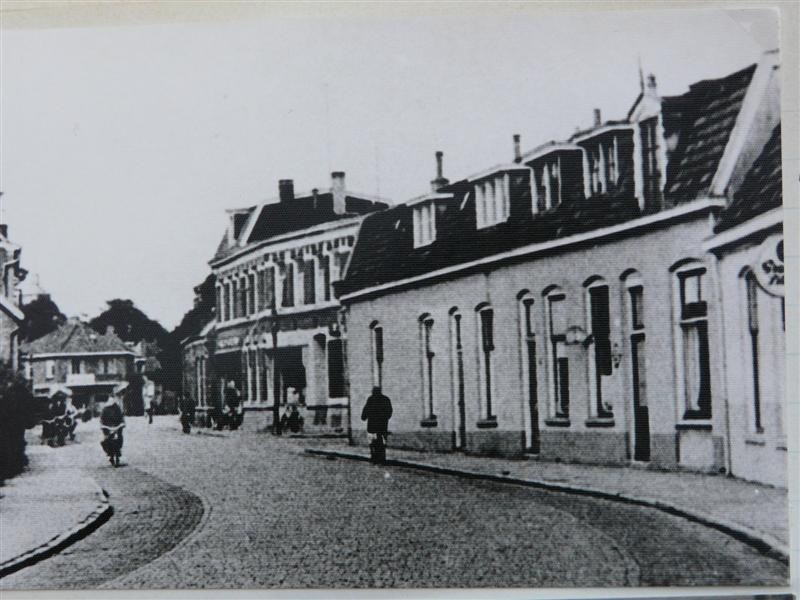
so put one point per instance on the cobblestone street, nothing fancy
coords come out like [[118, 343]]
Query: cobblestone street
[[247, 510]]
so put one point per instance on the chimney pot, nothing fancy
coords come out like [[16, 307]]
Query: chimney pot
[[651, 84], [286, 190], [517, 151], [440, 180], [338, 191], [597, 118]]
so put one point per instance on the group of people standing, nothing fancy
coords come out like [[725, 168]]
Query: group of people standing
[[60, 418]]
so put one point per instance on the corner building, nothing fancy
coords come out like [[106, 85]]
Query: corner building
[[562, 305], [276, 333]]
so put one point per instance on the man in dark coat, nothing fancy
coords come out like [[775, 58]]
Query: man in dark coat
[[233, 400], [377, 412]]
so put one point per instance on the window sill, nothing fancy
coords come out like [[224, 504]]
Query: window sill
[[600, 422], [693, 425], [557, 422], [487, 423], [429, 422]]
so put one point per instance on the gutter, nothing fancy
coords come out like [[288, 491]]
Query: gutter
[[661, 218]]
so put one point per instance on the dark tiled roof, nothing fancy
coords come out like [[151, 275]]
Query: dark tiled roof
[[761, 189], [297, 214], [75, 337], [698, 123], [703, 119], [383, 253]]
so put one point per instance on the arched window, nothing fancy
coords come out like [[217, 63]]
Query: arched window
[[528, 371], [557, 359], [376, 335], [599, 326], [427, 356], [694, 370], [486, 381]]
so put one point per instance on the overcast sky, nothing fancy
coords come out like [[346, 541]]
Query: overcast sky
[[122, 146]]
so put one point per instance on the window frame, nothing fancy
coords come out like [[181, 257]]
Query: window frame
[[598, 405], [557, 407]]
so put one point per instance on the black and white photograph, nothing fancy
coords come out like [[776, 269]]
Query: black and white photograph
[[352, 295]]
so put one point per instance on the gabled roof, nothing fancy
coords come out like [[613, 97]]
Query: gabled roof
[[75, 337], [276, 218], [702, 119], [761, 189]]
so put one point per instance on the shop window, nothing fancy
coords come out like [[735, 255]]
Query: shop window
[[696, 371], [336, 369]]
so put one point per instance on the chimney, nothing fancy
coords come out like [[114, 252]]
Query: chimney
[[440, 180], [286, 190], [517, 151], [338, 191], [597, 119], [652, 89]]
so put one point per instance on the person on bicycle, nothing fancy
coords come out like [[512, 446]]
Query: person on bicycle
[[112, 421], [377, 412]]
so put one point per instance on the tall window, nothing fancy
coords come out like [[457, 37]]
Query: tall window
[[50, 369], [651, 176], [694, 331], [220, 304], [341, 263], [424, 217], [559, 363], [268, 275], [597, 169], [309, 282], [528, 347], [485, 367], [288, 284], [325, 266], [426, 332], [377, 354], [251, 294], [601, 361], [76, 365], [336, 369], [229, 300], [752, 326]]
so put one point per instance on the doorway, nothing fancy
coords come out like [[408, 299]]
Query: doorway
[[641, 416]]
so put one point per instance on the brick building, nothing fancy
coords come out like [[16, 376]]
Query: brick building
[[274, 271], [562, 304], [10, 314], [75, 355]]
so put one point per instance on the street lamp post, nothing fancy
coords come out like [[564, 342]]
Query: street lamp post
[[276, 378]]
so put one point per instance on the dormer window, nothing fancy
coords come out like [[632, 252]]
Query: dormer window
[[424, 216], [493, 200], [651, 174], [548, 184]]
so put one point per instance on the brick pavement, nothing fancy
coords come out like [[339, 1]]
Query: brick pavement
[[760, 508]]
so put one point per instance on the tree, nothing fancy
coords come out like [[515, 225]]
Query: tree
[[130, 323], [42, 316]]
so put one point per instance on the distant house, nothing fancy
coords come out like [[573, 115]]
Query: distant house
[[274, 269], [75, 355], [562, 305], [10, 314]]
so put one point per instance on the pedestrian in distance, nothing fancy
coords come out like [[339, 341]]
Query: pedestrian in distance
[[112, 422], [233, 400], [377, 412], [187, 408], [71, 417], [148, 396]]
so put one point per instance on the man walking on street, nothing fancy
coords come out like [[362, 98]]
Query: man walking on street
[[377, 412], [233, 399]]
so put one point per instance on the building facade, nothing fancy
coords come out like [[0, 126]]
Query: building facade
[[563, 304], [76, 356], [276, 334], [10, 313], [747, 250]]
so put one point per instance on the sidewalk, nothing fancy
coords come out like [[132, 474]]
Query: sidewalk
[[50, 505], [758, 513]]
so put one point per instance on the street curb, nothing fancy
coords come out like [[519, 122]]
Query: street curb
[[100, 514], [764, 543]]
